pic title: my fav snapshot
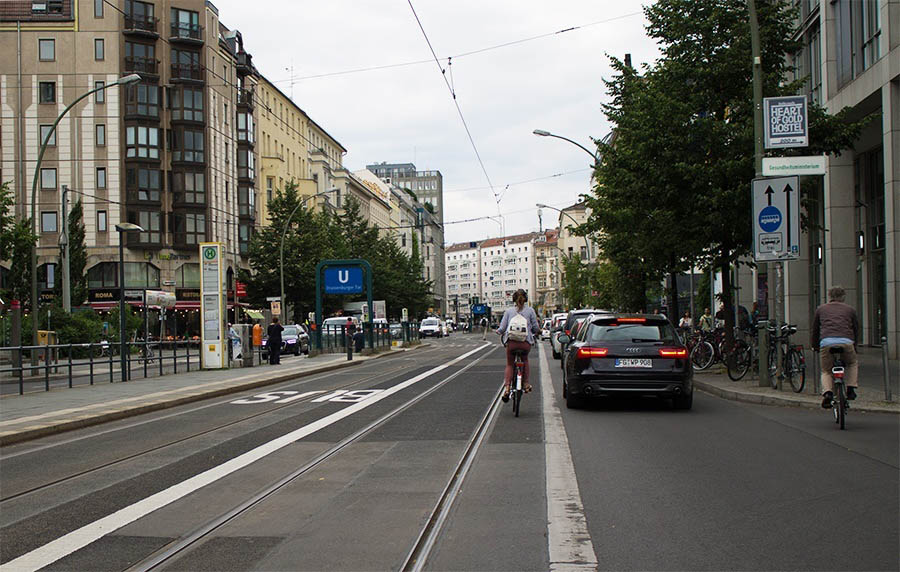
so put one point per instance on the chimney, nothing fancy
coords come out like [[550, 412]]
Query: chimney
[[628, 60]]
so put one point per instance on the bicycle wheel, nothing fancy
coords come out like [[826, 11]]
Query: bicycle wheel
[[795, 369], [702, 356], [516, 399], [773, 367], [738, 367], [839, 405]]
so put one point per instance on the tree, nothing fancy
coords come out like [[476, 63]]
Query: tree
[[673, 182]]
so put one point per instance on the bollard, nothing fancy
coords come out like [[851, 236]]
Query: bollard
[[887, 371], [349, 345], [763, 351]]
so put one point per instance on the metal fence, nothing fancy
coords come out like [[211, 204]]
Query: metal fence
[[334, 338]]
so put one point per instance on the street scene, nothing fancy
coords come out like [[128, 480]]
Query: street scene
[[293, 285]]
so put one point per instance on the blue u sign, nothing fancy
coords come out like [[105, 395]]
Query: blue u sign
[[343, 280]]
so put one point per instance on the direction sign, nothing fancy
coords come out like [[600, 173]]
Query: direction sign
[[776, 218], [479, 309], [343, 280], [785, 120], [783, 166]]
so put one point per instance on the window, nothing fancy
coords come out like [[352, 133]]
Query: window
[[100, 134], [186, 104], [103, 275], [100, 96], [857, 37], [142, 184], [140, 58], [47, 92], [101, 221], [98, 8], [186, 65], [101, 177], [187, 145], [189, 188], [46, 50], [141, 11], [246, 201], [48, 130], [246, 165], [142, 142], [142, 99], [270, 182], [47, 276], [244, 239], [185, 24], [190, 228], [226, 113], [245, 127], [151, 222], [99, 49], [48, 179], [48, 222]]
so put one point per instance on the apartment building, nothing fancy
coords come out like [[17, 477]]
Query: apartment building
[[851, 57], [292, 147], [547, 273], [378, 200], [431, 247], [507, 264], [569, 242], [463, 264], [427, 186], [404, 218], [173, 153]]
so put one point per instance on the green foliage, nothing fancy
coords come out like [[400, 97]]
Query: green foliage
[[311, 237], [16, 242]]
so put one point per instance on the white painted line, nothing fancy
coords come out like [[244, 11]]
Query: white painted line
[[568, 539], [77, 539]]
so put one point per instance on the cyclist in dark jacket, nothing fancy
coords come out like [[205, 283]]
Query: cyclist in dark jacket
[[836, 324]]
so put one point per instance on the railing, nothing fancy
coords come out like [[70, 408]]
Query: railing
[[335, 339], [142, 65], [97, 361], [245, 97], [141, 23], [186, 32], [187, 71]]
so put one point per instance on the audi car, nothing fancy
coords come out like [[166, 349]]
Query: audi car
[[626, 354]]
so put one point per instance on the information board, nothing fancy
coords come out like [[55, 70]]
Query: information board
[[776, 218], [212, 347]]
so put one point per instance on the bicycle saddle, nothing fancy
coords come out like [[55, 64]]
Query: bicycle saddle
[[522, 353], [836, 350]]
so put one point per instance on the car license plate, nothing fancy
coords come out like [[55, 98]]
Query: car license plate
[[632, 362]]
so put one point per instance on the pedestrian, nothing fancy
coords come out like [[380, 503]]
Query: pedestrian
[[350, 329], [274, 342], [685, 323], [484, 328], [754, 315], [835, 324], [257, 334], [706, 321], [720, 315]]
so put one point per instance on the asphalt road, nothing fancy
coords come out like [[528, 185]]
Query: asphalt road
[[724, 486]]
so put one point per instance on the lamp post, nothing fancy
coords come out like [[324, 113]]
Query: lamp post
[[128, 79], [121, 228], [542, 133], [284, 232]]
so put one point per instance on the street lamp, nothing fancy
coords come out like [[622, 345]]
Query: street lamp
[[123, 227], [284, 232], [594, 155], [128, 79]]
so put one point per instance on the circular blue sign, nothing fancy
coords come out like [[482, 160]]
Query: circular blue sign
[[769, 219]]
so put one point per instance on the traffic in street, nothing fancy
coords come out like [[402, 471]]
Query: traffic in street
[[413, 462]]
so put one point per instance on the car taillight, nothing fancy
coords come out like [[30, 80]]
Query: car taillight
[[631, 320], [587, 353], [567, 332], [673, 352]]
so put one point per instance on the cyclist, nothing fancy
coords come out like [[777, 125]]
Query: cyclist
[[517, 335], [836, 324]]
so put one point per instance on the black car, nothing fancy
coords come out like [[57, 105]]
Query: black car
[[573, 317], [627, 354], [294, 340]]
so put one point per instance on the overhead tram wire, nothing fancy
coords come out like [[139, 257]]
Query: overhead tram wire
[[458, 109], [460, 55], [469, 189]]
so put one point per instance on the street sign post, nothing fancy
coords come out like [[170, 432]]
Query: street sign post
[[785, 120], [275, 307], [212, 303], [776, 219], [783, 166]]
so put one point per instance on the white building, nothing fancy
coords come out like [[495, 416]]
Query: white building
[[463, 264], [507, 264]]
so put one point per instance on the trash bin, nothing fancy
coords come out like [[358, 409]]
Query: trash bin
[[47, 337]]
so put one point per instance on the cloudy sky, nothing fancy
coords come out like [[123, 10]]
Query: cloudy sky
[[406, 113]]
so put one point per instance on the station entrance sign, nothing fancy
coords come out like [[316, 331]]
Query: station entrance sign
[[776, 219]]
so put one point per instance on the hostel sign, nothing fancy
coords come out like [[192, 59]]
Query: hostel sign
[[786, 121]]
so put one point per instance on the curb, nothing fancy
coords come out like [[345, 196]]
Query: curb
[[777, 400], [79, 423]]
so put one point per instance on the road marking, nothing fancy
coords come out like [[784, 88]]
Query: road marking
[[568, 539], [78, 539]]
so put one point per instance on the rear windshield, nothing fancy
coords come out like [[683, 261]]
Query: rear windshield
[[612, 331], [430, 322]]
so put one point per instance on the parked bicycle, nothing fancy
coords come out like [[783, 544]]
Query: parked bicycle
[[746, 354], [793, 364]]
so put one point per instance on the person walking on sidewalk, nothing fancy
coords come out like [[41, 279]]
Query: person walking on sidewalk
[[836, 324], [706, 321], [274, 341], [484, 328]]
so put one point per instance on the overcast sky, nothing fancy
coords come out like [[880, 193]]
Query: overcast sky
[[406, 113]]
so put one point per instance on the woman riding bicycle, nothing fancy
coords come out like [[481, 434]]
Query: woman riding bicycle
[[510, 329]]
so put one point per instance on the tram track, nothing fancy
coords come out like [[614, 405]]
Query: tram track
[[149, 450]]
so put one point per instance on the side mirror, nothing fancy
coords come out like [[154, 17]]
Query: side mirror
[[564, 339]]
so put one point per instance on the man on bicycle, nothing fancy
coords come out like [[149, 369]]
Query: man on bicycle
[[517, 330], [836, 324]]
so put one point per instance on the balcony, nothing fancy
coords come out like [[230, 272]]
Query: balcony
[[143, 66], [141, 26], [188, 72], [244, 63], [245, 97], [186, 33]]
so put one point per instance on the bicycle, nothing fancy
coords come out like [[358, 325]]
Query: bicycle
[[518, 386], [839, 403], [745, 355], [793, 364]]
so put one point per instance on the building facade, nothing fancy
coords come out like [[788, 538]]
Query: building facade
[[428, 186], [507, 264], [463, 264], [173, 153], [851, 57], [547, 273]]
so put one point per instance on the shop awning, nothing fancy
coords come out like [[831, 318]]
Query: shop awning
[[255, 314]]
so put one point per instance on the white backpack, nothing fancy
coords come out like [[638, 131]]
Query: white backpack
[[517, 330]]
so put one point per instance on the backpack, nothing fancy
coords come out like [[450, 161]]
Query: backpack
[[517, 330]]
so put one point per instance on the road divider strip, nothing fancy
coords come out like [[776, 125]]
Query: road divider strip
[[89, 533]]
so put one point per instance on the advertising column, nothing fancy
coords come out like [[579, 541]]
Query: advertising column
[[212, 345]]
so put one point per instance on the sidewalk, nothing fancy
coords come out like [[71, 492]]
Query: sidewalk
[[870, 394], [33, 415]]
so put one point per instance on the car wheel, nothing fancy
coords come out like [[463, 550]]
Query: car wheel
[[684, 401], [574, 401], [555, 354]]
